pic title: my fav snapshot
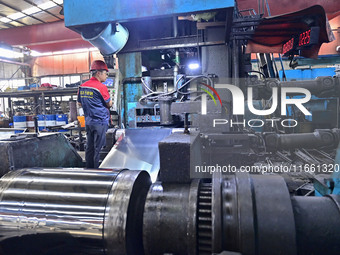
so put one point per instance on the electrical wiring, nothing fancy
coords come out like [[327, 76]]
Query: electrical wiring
[[156, 95], [145, 86]]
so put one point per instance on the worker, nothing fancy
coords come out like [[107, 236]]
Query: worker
[[94, 98]]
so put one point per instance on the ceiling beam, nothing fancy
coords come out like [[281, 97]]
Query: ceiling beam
[[60, 5], [6, 25], [18, 10], [10, 25], [34, 4], [52, 36]]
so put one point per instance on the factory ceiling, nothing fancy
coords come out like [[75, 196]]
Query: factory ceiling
[[39, 24], [17, 13]]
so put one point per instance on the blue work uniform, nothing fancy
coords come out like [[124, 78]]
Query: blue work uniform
[[93, 95]]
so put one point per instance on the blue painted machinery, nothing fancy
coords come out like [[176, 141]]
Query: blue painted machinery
[[156, 41], [120, 10]]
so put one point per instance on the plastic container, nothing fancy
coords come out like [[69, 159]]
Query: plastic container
[[23, 88], [30, 121], [34, 85], [41, 122], [19, 121], [61, 119], [50, 120], [81, 120]]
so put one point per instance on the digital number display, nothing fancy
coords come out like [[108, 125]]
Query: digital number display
[[288, 46], [304, 38], [301, 41]]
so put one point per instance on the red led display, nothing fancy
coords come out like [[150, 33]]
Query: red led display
[[304, 38], [301, 41], [288, 46]]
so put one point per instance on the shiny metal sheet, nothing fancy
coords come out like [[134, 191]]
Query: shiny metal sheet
[[137, 149]]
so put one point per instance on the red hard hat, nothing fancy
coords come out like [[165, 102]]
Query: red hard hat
[[98, 65]]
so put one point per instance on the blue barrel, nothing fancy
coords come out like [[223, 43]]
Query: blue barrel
[[30, 121], [61, 119], [41, 122], [19, 121], [50, 120]]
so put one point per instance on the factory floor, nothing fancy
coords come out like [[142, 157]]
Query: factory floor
[[82, 155]]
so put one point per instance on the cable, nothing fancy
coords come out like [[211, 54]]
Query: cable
[[145, 86], [152, 96], [196, 77], [254, 71]]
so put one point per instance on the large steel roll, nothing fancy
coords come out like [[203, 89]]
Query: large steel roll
[[72, 211]]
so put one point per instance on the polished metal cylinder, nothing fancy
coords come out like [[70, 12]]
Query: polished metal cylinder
[[73, 110], [87, 208], [165, 110], [148, 85], [108, 38]]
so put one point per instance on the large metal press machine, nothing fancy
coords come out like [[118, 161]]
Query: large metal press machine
[[211, 155]]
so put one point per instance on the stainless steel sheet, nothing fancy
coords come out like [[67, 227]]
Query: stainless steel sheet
[[137, 149]]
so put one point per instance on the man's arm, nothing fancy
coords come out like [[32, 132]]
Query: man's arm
[[109, 104]]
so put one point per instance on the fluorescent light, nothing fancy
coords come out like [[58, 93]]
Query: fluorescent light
[[39, 54], [47, 5], [5, 20], [35, 53], [74, 51], [10, 53], [16, 15], [31, 10]]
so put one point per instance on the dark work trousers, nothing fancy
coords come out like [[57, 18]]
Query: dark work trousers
[[95, 135]]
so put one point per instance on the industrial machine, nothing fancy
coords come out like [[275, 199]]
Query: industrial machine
[[118, 212], [211, 156]]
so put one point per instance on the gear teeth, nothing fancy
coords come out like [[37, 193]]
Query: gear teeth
[[205, 219]]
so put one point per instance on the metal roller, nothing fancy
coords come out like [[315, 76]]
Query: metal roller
[[260, 217], [317, 224], [242, 213], [72, 211], [319, 138], [169, 222], [80, 211], [321, 86]]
